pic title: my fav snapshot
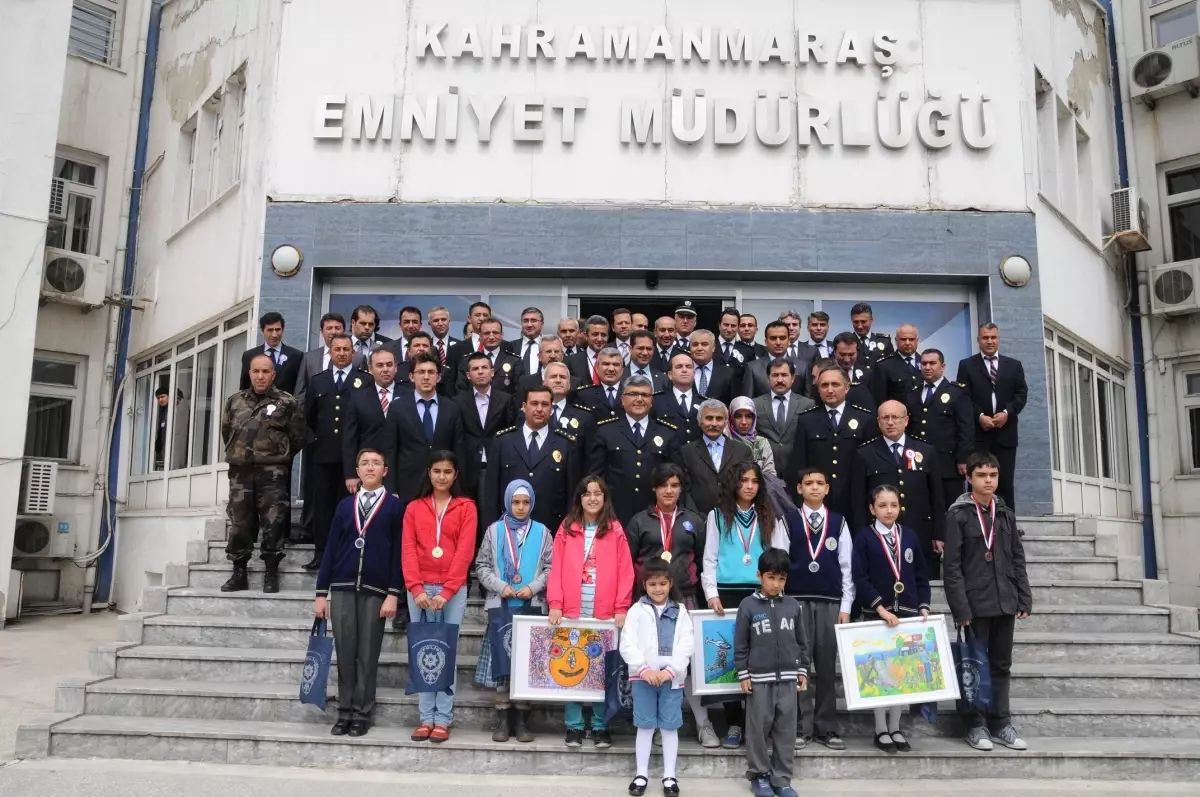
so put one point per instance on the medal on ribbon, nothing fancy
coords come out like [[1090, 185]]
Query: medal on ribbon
[[988, 536], [437, 551], [362, 521], [747, 542], [814, 550], [892, 554], [515, 542], [667, 531]]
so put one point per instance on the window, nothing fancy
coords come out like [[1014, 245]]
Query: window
[[1047, 124], [1191, 410], [94, 30], [55, 398], [210, 150], [75, 193], [1065, 168], [1172, 20], [1183, 213]]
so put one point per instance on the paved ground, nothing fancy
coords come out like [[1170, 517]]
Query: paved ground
[[149, 779], [34, 655]]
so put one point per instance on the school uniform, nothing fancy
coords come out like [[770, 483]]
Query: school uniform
[[361, 567], [823, 592], [875, 579]]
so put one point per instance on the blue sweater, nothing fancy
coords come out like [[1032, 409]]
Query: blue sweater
[[826, 583], [874, 580], [376, 566]]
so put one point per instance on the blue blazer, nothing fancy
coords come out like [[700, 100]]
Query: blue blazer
[[874, 580], [376, 566]]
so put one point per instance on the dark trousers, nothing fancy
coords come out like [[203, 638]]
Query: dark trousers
[[258, 501], [358, 638], [771, 720], [326, 487], [1007, 457], [997, 634], [735, 710], [818, 704]]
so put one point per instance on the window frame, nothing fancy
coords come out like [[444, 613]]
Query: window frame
[[1187, 403], [75, 394], [94, 192], [114, 44], [1170, 201], [1152, 10]]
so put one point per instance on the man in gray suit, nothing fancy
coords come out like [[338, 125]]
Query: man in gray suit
[[756, 379], [818, 347], [777, 411], [317, 360]]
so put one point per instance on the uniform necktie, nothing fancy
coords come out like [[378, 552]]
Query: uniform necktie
[[612, 397], [554, 415], [441, 347], [368, 501], [896, 455], [833, 418], [274, 356], [339, 381], [533, 445], [704, 380], [991, 361], [383, 399], [683, 405], [638, 437], [427, 419], [912, 363], [815, 521], [728, 351], [530, 368], [781, 411], [683, 343], [492, 358], [928, 393]]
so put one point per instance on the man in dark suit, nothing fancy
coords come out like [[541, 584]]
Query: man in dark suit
[[583, 364], [828, 434], [549, 459], [791, 319], [714, 379], [287, 359], [945, 421], [818, 346], [777, 412], [905, 462], [755, 379], [550, 350], [420, 423], [439, 323], [327, 402], [730, 350], [996, 385], [477, 314], [485, 411], [603, 400], [367, 411], [410, 324], [573, 417], [526, 347], [506, 368], [364, 332], [641, 361], [897, 375], [849, 358], [874, 346], [679, 405], [664, 343], [568, 333], [709, 457], [624, 449], [747, 329], [316, 360]]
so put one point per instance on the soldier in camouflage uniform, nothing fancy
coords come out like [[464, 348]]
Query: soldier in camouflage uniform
[[262, 429]]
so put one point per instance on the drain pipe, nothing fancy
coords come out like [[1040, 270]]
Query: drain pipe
[[1153, 562], [108, 519]]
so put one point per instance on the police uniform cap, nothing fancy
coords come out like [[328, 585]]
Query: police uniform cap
[[685, 309]]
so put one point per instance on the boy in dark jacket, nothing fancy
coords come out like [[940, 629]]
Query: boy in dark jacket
[[987, 589], [362, 565], [770, 656]]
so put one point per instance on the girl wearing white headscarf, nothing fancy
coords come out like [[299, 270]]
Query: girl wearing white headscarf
[[743, 426]]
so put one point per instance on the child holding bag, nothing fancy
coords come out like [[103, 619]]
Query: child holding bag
[[513, 565]]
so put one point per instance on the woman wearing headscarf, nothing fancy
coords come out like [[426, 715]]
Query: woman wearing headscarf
[[743, 426], [513, 565]]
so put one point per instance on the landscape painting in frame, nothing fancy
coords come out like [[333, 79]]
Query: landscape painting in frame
[[712, 659], [560, 663], [910, 663]]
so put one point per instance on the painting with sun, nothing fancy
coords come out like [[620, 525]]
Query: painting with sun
[[564, 662]]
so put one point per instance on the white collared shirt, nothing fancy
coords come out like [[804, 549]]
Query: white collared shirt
[[635, 425], [389, 391], [841, 410], [996, 358], [376, 495], [526, 431], [681, 395], [936, 385], [345, 372], [324, 358]]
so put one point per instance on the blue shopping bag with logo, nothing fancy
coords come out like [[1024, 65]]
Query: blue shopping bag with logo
[[499, 636], [973, 670], [618, 694], [314, 676], [432, 654]]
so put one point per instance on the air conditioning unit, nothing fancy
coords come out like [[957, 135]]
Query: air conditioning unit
[[1173, 288], [72, 278], [38, 483], [1166, 70], [43, 538], [58, 198], [1129, 219]]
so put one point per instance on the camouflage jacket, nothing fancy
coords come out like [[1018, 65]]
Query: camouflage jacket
[[262, 430]]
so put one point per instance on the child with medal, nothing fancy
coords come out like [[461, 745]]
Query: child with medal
[[892, 582], [513, 565], [741, 527], [361, 570], [438, 546], [822, 581], [670, 532]]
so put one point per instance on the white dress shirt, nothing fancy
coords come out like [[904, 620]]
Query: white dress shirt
[[681, 395], [841, 411], [345, 372], [324, 358], [541, 434], [635, 425], [389, 391], [845, 554]]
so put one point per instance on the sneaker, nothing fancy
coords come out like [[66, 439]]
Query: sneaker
[[831, 740], [979, 739], [708, 738], [602, 739], [733, 740], [786, 791], [574, 738], [761, 787], [802, 741], [1008, 737], [657, 740]]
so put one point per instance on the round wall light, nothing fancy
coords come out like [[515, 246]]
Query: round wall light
[[286, 260], [1015, 271]]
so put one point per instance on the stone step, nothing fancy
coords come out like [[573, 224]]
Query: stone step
[[1057, 525], [1125, 681], [1058, 545], [1078, 568], [303, 744], [474, 710]]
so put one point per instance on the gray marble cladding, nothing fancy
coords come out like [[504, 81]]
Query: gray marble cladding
[[1124, 687], [144, 747], [218, 636], [393, 673], [1072, 546], [1072, 571]]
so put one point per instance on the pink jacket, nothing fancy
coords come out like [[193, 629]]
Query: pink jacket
[[614, 573]]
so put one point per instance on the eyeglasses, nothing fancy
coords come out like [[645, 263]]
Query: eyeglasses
[[638, 395], [892, 418]]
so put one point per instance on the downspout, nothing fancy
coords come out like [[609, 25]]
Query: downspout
[[1147, 418], [108, 519]]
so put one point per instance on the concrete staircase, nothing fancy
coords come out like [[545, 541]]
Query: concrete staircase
[[1106, 685]]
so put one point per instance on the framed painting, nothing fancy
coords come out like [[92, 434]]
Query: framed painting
[[910, 663], [712, 659], [560, 663]]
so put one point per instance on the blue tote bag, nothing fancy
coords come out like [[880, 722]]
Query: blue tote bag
[[973, 670], [499, 636], [432, 655], [618, 694], [314, 677]]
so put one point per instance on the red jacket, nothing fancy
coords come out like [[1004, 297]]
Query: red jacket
[[614, 573], [420, 538]]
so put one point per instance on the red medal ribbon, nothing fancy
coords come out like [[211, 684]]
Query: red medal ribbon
[[667, 530], [988, 538], [812, 552], [893, 563], [361, 525]]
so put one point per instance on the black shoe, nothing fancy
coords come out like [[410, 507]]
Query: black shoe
[[574, 738], [901, 743], [670, 787], [602, 740], [315, 564], [271, 578], [238, 581], [522, 731], [884, 742], [340, 727], [637, 787], [358, 728], [501, 733]]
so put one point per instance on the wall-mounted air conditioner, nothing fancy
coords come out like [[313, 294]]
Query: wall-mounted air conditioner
[[1166, 70], [72, 278], [38, 482], [1173, 288], [58, 198], [1129, 219], [39, 537]]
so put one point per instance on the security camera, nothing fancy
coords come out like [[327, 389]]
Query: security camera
[[651, 279]]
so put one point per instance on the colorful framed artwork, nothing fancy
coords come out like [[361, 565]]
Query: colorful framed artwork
[[560, 663], [712, 659], [910, 663]]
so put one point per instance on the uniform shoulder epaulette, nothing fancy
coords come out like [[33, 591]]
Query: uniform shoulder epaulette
[[963, 385], [606, 420], [813, 408], [862, 409], [882, 335], [579, 406], [893, 355], [567, 435], [506, 431], [667, 424], [868, 442]]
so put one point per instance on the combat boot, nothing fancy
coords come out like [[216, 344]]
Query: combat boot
[[501, 732], [271, 577], [522, 731], [237, 582]]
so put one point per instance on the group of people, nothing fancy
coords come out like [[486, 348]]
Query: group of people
[[551, 469]]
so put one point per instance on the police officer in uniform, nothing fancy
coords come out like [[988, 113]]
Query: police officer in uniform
[[604, 400], [857, 368], [624, 449], [679, 404], [262, 428], [946, 421], [572, 417], [828, 434], [549, 459], [895, 376], [903, 461], [874, 345]]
